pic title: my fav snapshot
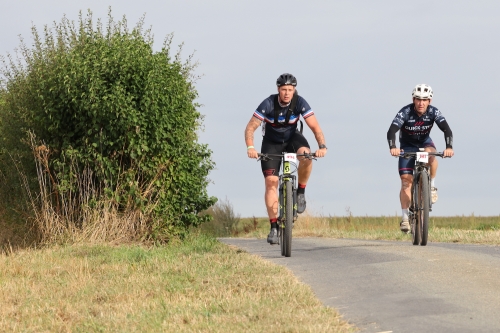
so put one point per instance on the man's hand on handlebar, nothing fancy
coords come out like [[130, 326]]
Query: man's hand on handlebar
[[320, 152], [252, 153], [448, 152], [395, 152]]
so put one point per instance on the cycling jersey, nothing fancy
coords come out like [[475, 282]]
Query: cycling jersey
[[281, 132], [415, 129]]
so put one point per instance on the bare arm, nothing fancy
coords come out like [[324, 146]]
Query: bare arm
[[313, 124], [252, 125]]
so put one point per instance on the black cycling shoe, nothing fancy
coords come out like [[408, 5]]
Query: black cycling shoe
[[272, 238], [301, 203]]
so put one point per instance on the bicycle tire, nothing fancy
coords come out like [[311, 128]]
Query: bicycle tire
[[425, 204], [281, 225], [415, 225], [288, 218], [281, 236]]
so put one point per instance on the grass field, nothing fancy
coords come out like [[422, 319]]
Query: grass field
[[456, 229], [198, 285]]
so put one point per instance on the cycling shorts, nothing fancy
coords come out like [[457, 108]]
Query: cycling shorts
[[406, 165], [272, 167]]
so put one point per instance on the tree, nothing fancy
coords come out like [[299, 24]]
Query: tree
[[104, 109]]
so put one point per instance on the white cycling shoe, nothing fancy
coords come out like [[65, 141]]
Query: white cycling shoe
[[404, 226], [434, 194]]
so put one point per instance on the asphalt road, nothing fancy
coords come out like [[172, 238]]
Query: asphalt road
[[383, 286]]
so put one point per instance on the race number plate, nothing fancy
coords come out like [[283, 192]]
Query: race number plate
[[423, 157], [289, 157]]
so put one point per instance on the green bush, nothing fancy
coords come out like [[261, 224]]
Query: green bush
[[100, 100]]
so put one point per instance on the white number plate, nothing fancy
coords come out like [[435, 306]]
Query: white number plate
[[423, 157], [289, 157]]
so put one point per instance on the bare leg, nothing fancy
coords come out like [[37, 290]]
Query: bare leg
[[271, 196], [305, 166], [433, 162], [405, 193]]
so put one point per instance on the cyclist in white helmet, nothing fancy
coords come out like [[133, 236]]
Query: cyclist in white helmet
[[415, 122]]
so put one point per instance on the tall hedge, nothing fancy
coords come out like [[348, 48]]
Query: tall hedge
[[101, 98]]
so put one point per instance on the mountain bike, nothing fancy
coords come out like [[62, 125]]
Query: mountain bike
[[287, 194], [421, 203]]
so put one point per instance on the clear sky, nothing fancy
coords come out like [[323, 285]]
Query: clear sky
[[356, 63]]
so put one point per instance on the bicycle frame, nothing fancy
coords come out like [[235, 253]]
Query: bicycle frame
[[420, 170], [421, 202], [286, 175], [287, 191]]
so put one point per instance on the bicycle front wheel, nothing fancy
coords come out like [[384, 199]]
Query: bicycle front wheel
[[281, 235], [416, 231], [423, 189], [288, 220]]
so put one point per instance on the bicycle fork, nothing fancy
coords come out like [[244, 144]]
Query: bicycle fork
[[282, 196], [421, 175]]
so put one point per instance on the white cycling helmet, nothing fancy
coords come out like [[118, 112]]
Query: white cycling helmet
[[422, 91]]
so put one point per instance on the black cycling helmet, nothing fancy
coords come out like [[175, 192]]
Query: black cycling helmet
[[286, 79]]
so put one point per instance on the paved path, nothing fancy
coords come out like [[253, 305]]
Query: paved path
[[383, 286]]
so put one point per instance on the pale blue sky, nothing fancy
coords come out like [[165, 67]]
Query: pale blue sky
[[356, 63]]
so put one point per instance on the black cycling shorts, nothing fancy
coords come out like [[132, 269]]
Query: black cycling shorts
[[405, 165], [272, 167]]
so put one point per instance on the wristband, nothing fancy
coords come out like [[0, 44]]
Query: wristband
[[250, 147]]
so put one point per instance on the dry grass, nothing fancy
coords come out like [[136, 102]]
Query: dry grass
[[491, 237], [78, 211], [224, 219], [457, 229], [195, 286], [12, 235]]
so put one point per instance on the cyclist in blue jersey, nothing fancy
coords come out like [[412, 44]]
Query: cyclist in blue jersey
[[279, 115], [415, 122]]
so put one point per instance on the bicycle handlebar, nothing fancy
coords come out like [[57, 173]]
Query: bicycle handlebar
[[267, 157], [413, 154]]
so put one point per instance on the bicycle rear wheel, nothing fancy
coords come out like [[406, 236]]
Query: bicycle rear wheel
[[425, 203], [288, 218]]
